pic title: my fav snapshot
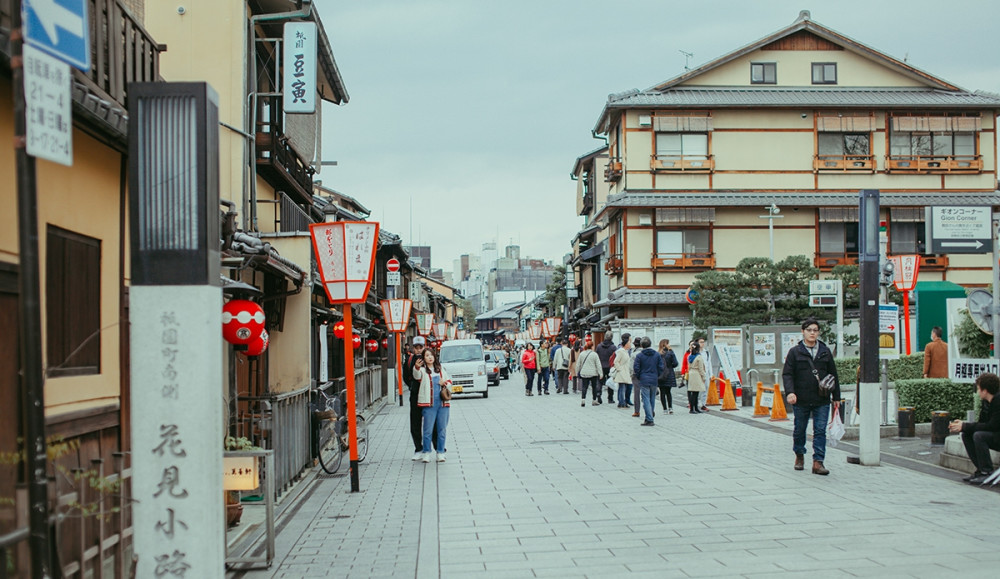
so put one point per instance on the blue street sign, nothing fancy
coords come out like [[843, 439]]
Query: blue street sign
[[59, 27]]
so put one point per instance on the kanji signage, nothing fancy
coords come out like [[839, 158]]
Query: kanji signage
[[959, 230], [345, 252], [299, 77], [49, 115]]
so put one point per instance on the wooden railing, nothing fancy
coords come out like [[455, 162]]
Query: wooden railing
[[826, 261], [687, 163], [935, 163], [679, 261], [844, 163], [613, 172], [615, 264]]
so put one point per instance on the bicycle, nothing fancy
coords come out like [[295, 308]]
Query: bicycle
[[333, 435]]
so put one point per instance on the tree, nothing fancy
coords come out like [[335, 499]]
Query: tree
[[468, 314], [555, 291], [972, 342]]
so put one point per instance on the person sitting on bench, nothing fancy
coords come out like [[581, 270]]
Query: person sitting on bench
[[980, 437]]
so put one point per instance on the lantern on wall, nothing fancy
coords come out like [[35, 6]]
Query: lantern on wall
[[338, 330], [356, 341], [242, 321], [572, 338], [371, 346], [385, 343], [259, 345]]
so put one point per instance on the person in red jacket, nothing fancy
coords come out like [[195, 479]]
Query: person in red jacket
[[528, 360]]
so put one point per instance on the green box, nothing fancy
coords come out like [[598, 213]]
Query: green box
[[931, 311]]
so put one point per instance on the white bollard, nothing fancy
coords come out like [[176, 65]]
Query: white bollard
[[869, 435]]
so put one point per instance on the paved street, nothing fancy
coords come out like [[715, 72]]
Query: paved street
[[540, 487]]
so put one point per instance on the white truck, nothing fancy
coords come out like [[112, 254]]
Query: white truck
[[465, 362]]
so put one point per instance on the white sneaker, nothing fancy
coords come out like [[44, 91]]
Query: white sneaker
[[425, 456], [416, 455], [440, 457]]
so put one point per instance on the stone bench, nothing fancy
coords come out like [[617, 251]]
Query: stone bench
[[955, 458]]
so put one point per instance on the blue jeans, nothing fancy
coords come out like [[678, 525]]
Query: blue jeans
[[820, 416], [648, 395], [622, 397], [543, 377], [436, 415], [529, 378]]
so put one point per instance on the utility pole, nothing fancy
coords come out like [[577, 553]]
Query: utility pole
[[868, 257], [772, 213], [29, 288]]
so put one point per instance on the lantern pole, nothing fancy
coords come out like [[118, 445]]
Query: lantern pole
[[352, 420], [399, 367]]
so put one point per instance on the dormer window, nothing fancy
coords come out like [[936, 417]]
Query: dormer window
[[824, 73], [763, 73]]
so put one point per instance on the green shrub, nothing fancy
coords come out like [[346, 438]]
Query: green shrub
[[927, 395], [907, 367], [847, 369]]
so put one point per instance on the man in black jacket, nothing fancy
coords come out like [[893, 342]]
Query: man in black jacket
[[604, 351], [980, 437], [807, 363]]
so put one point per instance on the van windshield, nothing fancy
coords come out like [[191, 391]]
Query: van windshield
[[470, 353]]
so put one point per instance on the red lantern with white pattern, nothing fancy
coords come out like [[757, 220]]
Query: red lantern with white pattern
[[242, 321], [338, 330], [356, 341], [259, 345], [385, 343], [371, 346], [572, 338]]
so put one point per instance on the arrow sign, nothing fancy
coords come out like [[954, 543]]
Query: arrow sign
[[60, 28], [977, 244]]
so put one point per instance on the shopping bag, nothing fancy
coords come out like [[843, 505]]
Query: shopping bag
[[835, 430]]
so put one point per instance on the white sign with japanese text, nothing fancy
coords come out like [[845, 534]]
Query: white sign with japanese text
[[966, 370], [299, 78], [888, 332], [49, 114], [177, 430]]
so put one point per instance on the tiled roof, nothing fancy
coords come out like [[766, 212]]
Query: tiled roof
[[804, 97], [825, 199], [636, 297]]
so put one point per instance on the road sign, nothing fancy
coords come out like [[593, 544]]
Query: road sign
[[49, 116], [393, 278], [60, 28], [888, 331], [824, 286], [959, 230], [823, 301], [392, 265]]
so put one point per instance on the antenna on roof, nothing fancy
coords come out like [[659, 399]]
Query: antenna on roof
[[687, 59]]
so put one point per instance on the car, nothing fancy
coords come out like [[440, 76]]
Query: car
[[464, 360], [496, 365]]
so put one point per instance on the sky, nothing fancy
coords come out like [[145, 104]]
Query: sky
[[473, 112]]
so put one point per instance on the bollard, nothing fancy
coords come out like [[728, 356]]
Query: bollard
[[939, 426], [747, 396], [905, 420]]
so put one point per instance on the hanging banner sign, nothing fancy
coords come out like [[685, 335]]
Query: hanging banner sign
[[299, 75]]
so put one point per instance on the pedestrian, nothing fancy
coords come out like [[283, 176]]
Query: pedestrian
[[605, 350], [416, 414], [667, 380], [432, 377], [588, 367], [634, 391], [647, 367], [622, 372], [543, 364], [980, 437], [697, 377], [936, 355], [806, 366], [528, 363], [560, 361], [574, 355], [707, 358]]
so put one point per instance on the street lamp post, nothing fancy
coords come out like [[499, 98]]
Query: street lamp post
[[772, 213]]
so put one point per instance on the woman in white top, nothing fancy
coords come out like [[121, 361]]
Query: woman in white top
[[435, 410], [588, 367]]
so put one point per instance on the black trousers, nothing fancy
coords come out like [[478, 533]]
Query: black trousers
[[666, 398], [417, 425], [604, 381], [978, 445]]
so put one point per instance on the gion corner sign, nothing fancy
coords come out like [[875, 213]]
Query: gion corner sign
[[959, 229], [59, 27]]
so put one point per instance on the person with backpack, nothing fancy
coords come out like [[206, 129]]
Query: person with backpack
[[605, 351], [667, 379]]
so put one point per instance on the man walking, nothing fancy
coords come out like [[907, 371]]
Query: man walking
[[980, 437], [936, 355], [806, 366], [647, 366], [604, 351], [560, 361]]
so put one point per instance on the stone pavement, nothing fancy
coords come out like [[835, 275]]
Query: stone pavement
[[540, 487]]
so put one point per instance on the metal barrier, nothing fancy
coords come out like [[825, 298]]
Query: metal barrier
[[8, 543]]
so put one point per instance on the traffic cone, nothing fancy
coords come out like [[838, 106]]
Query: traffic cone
[[728, 401], [758, 410], [778, 407], [713, 392]]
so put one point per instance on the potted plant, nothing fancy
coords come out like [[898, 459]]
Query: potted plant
[[234, 509]]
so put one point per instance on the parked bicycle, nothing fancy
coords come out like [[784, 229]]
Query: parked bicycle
[[333, 435]]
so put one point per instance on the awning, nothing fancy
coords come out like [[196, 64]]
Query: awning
[[593, 252], [644, 297]]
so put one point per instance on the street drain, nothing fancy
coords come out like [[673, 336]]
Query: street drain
[[553, 441], [340, 517], [941, 503]]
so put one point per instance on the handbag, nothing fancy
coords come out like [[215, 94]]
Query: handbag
[[445, 393], [826, 383]]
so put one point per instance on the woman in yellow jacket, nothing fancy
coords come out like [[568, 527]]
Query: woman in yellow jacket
[[697, 377]]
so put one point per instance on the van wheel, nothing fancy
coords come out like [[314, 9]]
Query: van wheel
[[486, 394]]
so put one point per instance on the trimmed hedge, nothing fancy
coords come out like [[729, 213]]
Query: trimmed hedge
[[905, 368], [927, 395]]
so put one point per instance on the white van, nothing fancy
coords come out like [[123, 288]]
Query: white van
[[465, 362]]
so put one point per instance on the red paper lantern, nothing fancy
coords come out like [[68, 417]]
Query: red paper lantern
[[356, 341], [385, 343], [242, 321], [259, 345], [338, 330], [572, 338], [371, 346]]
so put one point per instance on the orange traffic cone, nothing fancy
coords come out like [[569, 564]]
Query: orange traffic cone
[[758, 410], [778, 407], [713, 392], [728, 401]]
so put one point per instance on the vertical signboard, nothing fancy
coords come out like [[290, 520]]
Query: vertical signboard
[[299, 77], [49, 114], [888, 332]]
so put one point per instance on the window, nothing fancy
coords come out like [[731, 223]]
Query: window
[[681, 144], [932, 144], [72, 303], [824, 73], [763, 73], [844, 144], [683, 241], [907, 238], [838, 237]]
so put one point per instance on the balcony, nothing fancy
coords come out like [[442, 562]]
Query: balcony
[[844, 163], [682, 261], [615, 265], [933, 262], [934, 163], [613, 172], [277, 161], [828, 261], [683, 163], [288, 216]]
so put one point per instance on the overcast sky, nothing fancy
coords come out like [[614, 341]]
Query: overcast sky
[[475, 110]]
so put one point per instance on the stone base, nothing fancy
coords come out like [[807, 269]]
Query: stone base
[[955, 458], [889, 431]]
